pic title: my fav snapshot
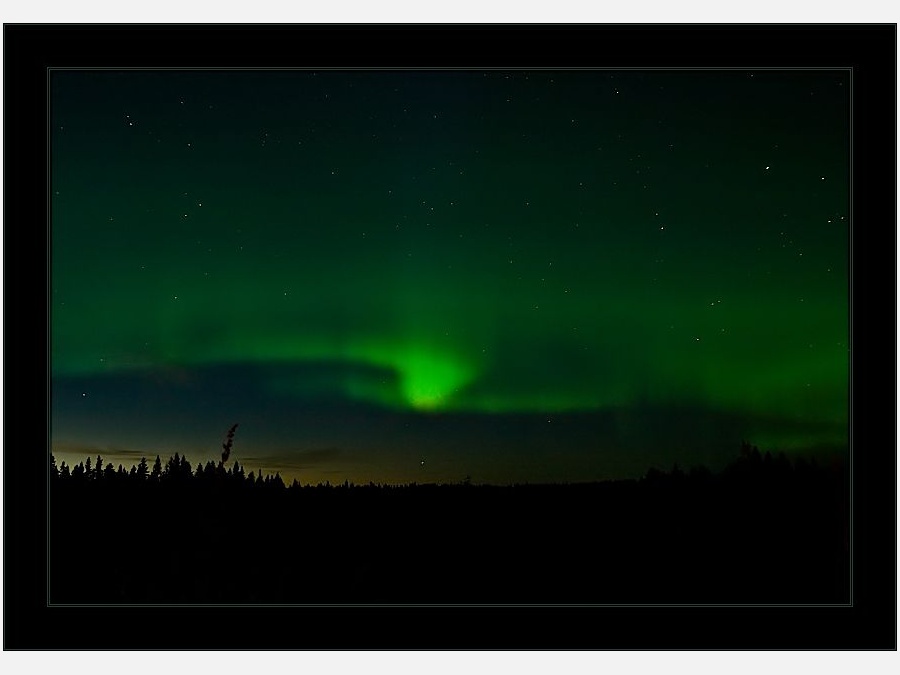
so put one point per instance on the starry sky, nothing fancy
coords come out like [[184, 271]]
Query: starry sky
[[424, 275]]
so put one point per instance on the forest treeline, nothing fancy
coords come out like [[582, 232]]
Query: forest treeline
[[177, 470], [751, 465], [766, 529]]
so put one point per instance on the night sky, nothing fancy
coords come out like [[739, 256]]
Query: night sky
[[393, 276]]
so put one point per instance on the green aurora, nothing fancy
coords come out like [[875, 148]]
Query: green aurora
[[452, 243]]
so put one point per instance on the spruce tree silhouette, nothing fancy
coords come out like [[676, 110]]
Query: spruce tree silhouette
[[156, 474], [237, 472], [229, 441]]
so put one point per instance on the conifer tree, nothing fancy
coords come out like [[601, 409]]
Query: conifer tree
[[237, 471], [156, 473]]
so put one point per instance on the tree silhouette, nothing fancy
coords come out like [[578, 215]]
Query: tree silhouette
[[178, 469], [156, 473], [142, 469], [229, 441], [78, 470]]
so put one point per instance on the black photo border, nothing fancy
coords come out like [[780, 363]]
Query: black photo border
[[868, 49]]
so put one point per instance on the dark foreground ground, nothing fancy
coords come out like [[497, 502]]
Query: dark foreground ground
[[756, 534]]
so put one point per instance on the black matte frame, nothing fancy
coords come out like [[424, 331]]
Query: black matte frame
[[868, 50]]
